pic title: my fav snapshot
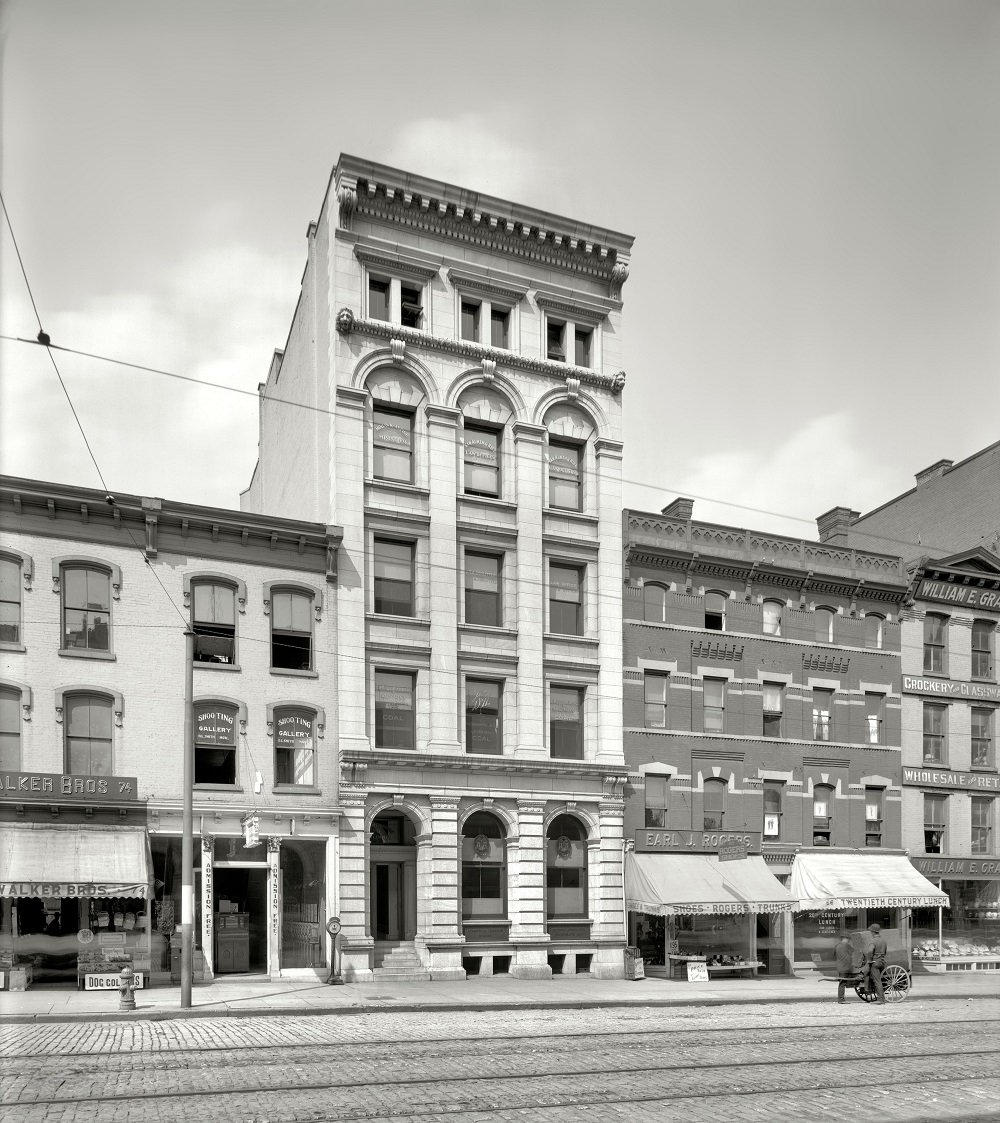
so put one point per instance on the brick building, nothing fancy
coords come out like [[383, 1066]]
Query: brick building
[[762, 718], [947, 527], [456, 360], [96, 594]]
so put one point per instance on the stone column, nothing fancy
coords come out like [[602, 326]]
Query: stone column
[[356, 940], [606, 884], [439, 578], [609, 604], [442, 937], [274, 907], [530, 622], [528, 931]]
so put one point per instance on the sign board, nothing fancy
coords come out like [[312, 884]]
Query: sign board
[[697, 973], [944, 778], [732, 852], [80, 789], [251, 829], [111, 982], [960, 868], [694, 842], [968, 595], [951, 688]]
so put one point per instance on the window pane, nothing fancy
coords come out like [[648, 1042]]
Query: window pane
[[10, 622], [554, 341], [10, 580], [482, 716], [470, 320], [772, 618], [482, 590], [378, 299], [394, 710], [290, 612], [294, 745], [584, 340], [482, 460], [873, 631], [566, 722], [392, 440], [564, 476], [214, 604], [498, 327], [393, 575], [411, 306]]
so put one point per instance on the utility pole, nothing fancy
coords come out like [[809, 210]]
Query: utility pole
[[187, 829]]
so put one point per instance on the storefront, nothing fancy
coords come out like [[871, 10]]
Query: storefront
[[842, 892], [706, 906], [75, 899], [964, 934]]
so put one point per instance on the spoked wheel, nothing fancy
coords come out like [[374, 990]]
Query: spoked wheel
[[895, 982], [861, 990]]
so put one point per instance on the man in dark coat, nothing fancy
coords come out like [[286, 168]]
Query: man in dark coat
[[848, 962], [877, 962]]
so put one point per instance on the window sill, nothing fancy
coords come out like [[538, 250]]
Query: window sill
[[73, 653], [489, 629], [292, 673], [14, 647], [399, 486], [227, 667], [295, 789], [391, 618], [217, 788]]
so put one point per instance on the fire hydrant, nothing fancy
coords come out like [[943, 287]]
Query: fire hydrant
[[126, 989]]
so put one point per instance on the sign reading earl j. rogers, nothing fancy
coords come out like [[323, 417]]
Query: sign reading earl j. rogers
[[695, 842], [86, 789]]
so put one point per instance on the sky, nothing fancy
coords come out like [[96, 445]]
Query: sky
[[811, 315]]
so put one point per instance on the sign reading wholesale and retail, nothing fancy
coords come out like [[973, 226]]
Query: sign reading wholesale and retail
[[947, 688], [965, 595], [697, 842], [942, 778], [19, 786]]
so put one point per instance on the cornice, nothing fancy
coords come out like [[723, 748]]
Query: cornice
[[502, 286], [422, 266], [471, 765], [347, 324], [576, 307]]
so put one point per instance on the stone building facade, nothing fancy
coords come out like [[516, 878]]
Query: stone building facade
[[450, 393]]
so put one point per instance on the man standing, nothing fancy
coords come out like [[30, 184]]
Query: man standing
[[847, 966], [876, 963]]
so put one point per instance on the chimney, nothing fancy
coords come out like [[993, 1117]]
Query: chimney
[[679, 509], [933, 471], [834, 524]]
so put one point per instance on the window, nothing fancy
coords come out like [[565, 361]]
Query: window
[[393, 569], [10, 600], [584, 342], [294, 746], [484, 867], [565, 599], [470, 319], [824, 624], [714, 690], [935, 631], [214, 622], [773, 705], [291, 630], [715, 612], [87, 720], [772, 617], [654, 604], [873, 816], [391, 299], [10, 729], [982, 825], [378, 299], [566, 722], [475, 314], [874, 718], [392, 444], [483, 605], [657, 799], [411, 306], [565, 868], [500, 327], [935, 730], [215, 729], [873, 630], [714, 804], [483, 716], [555, 331], [982, 648], [772, 808], [86, 604], [822, 814], [394, 710], [565, 475], [934, 823], [982, 737], [562, 334], [481, 460], [822, 710], [655, 693]]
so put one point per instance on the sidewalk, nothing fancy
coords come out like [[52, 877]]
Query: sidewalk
[[246, 997]]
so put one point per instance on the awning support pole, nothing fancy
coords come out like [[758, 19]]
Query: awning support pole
[[187, 830]]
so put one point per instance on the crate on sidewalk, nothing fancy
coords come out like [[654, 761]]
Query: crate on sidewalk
[[634, 965]]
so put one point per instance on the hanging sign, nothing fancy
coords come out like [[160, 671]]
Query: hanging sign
[[251, 829]]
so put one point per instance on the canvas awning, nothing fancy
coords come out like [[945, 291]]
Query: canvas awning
[[74, 861], [861, 880], [699, 884]]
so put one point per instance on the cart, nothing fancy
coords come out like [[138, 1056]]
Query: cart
[[896, 984]]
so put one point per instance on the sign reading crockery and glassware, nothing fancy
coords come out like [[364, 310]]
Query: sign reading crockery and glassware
[[84, 789]]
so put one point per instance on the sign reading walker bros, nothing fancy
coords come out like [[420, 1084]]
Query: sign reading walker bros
[[83, 789], [733, 843]]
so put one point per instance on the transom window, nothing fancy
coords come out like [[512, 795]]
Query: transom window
[[656, 799], [483, 604], [655, 684], [295, 745], [216, 726], [935, 633], [86, 603], [566, 722], [481, 455], [484, 867], [565, 475], [935, 809], [10, 600], [393, 578], [935, 731], [714, 810], [983, 632], [483, 716], [392, 444], [395, 707], [291, 630], [565, 599], [213, 620], [87, 720], [10, 729]]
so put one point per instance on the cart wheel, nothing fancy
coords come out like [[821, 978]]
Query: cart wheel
[[895, 982], [862, 992]]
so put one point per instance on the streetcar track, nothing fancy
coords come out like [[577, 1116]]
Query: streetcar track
[[455, 1081]]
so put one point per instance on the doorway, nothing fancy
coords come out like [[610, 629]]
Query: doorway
[[240, 919], [387, 903]]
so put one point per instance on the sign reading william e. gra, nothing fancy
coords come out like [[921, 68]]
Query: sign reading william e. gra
[[85, 789], [968, 595], [695, 842]]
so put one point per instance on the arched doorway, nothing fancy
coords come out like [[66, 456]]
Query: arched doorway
[[392, 882]]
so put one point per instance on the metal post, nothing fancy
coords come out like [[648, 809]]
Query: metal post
[[187, 830]]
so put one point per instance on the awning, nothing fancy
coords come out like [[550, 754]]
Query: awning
[[699, 884], [859, 881], [74, 861]]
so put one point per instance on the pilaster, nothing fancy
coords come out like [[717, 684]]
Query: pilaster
[[610, 749], [531, 741], [442, 938], [356, 942], [528, 929]]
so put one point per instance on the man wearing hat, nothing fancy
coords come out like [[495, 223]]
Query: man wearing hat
[[877, 962]]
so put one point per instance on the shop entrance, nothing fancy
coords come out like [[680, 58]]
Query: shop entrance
[[240, 920], [388, 906]]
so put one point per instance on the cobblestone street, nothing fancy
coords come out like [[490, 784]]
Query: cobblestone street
[[922, 1060]]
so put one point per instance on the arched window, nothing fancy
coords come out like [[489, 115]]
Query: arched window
[[291, 613], [654, 604], [484, 867], [772, 617], [715, 611], [714, 810], [12, 570], [396, 421], [569, 447], [824, 624], [565, 868], [86, 608], [88, 723], [213, 620], [873, 630]]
